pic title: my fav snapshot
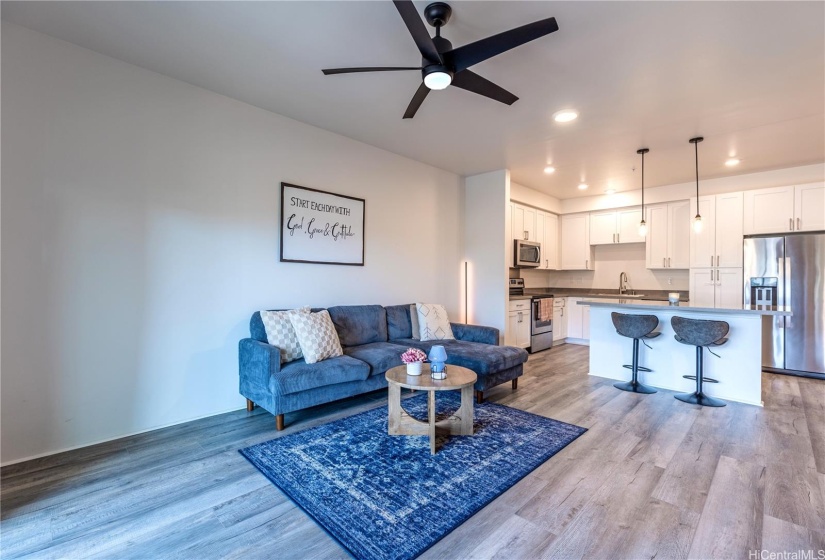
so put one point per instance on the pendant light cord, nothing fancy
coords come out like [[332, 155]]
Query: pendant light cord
[[696, 145], [643, 186]]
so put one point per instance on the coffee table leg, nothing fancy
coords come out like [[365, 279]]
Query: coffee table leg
[[394, 412], [465, 411], [431, 419]]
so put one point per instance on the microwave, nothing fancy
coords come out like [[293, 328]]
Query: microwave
[[526, 254]]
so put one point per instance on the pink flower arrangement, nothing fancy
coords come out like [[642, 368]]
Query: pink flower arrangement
[[413, 355]]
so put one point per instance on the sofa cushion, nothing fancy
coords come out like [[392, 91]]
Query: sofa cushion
[[380, 356], [359, 324], [398, 321], [298, 376], [483, 359]]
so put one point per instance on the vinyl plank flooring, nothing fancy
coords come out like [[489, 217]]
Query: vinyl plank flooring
[[652, 478], [731, 522]]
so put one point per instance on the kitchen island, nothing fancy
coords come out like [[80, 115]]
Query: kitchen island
[[738, 367]]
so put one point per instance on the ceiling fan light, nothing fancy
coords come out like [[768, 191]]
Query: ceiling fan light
[[565, 116], [437, 80]]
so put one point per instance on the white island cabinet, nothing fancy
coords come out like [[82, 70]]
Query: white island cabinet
[[738, 367]]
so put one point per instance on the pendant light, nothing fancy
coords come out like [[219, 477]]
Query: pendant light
[[643, 224], [697, 220]]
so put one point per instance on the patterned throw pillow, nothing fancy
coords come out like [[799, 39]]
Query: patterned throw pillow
[[280, 333], [433, 323], [317, 335]]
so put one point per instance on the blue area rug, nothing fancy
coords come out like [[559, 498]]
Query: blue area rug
[[385, 497]]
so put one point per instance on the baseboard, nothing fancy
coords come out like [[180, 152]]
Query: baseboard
[[65, 449]]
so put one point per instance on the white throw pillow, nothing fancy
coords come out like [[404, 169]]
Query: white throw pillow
[[414, 322], [281, 333], [317, 335], [433, 323]]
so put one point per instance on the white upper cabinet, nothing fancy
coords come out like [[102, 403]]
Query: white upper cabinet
[[576, 253], [720, 241], [784, 209], [809, 207], [615, 226], [547, 233], [668, 235], [523, 224], [769, 211]]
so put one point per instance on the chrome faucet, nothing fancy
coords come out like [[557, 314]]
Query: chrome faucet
[[622, 283]]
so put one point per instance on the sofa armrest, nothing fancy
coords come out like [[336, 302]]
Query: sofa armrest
[[258, 361], [475, 333]]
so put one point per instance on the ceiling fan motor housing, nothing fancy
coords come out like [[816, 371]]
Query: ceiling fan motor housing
[[438, 13]]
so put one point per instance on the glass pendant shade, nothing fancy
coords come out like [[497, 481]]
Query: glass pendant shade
[[697, 224], [642, 228]]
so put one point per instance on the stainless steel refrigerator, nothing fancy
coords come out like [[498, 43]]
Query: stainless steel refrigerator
[[789, 270]]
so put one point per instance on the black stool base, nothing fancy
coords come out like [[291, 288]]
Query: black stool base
[[634, 387], [699, 398]]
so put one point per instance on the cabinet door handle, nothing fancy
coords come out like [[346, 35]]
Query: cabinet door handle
[[525, 235], [562, 311], [664, 262], [711, 260], [798, 224], [790, 223], [618, 237], [668, 262], [586, 264], [717, 260]]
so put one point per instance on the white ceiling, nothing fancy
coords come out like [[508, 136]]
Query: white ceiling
[[748, 76]]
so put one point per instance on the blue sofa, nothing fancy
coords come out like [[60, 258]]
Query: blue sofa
[[373, 338]]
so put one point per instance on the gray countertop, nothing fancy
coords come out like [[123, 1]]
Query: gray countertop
[[686, 306], [646, 295]]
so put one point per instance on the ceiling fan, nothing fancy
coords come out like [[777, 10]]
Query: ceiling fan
[[442, 65]]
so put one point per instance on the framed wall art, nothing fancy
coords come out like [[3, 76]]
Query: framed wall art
[[321, 227]]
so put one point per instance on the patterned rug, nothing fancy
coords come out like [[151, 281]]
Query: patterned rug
[[385, 497]]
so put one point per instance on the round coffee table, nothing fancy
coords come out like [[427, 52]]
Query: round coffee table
[[402, 424]]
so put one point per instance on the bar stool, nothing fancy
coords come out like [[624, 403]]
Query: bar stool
[[636, 327], [699, 333]]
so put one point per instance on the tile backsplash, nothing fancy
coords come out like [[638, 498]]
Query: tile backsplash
[[611, 260]]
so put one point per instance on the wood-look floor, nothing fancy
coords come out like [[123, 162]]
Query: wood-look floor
[[652, 478]]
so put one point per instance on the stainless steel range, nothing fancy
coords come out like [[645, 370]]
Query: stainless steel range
[[541, 317]]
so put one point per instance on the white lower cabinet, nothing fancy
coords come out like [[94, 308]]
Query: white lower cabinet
[[578, 319], [716, 287], [518, 324], [559, 319]]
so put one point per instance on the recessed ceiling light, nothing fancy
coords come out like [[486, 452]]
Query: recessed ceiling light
[[564, 116], [582, 187], [549, 169], [610, 191], [732, 161]]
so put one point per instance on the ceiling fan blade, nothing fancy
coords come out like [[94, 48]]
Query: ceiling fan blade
[[464, 57], [418, 31], [330, 71], [473, 82], [417, 100]]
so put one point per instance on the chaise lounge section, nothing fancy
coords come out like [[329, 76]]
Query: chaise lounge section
[[373, 338]]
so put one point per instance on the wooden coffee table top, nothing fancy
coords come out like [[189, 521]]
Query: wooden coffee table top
[[457, 378]]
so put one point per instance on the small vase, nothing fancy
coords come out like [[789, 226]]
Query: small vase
[[414, 368]]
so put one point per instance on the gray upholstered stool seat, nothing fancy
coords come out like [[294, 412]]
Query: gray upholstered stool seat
[[635, 327], [699, 333]]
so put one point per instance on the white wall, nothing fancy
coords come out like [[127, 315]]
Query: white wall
[[486, 223], [531, 197], [140, 231], [683, 191]]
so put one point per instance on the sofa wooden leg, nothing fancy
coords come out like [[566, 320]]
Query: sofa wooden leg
[[479, 397], [279, 422], [249, 405], [515, 383]]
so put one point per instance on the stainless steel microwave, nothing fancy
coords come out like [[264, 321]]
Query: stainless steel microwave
[[526, 254]]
